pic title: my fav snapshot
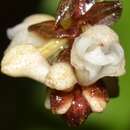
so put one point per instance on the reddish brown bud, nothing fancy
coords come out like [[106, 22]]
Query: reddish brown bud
[[79, 110]]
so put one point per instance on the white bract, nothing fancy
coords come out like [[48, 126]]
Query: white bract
[[97, 53]]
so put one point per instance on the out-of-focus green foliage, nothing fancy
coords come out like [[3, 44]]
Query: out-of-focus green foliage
[[49, 6], [117, 114]]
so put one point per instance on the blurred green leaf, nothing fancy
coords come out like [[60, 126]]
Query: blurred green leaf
[[49, 6]]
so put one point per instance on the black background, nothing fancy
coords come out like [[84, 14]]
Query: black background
[[11, 13]]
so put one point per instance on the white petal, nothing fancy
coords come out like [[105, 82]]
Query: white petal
[[25, 61], [61, 77], [97, 53], [97, 57]]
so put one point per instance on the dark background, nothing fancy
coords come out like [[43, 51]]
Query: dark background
[[11, 13]]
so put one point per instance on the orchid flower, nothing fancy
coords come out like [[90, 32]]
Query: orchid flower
[[69, 54]]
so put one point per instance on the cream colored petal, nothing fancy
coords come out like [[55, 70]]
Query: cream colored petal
[[25, 61], [61, 77]]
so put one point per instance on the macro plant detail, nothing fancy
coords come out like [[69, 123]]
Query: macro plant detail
[[71, 54]]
